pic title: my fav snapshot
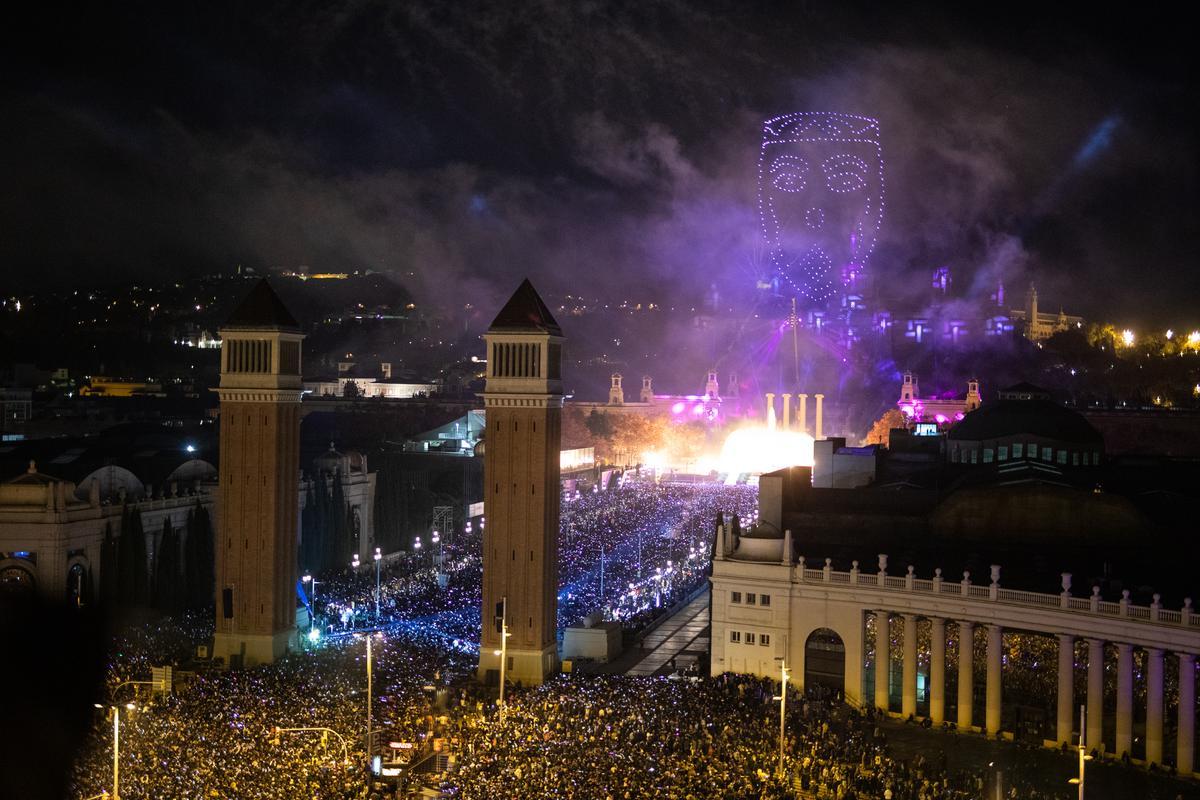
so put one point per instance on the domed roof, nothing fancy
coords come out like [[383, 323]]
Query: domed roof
[[1035, 416]]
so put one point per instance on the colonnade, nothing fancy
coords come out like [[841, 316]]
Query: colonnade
[[801, 421], [1066, 710]]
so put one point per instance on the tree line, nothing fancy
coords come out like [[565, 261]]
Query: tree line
[[328, 530], [182, 576]]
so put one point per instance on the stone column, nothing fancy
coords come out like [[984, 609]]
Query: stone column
[[937, 670], [966, 677], [818, 434], [1124, 738], [1066, 688], [770, 419], [1154, 706], [803, 413], [909, 693], [882, 660], [1185, 746], [787, 412], [1095, 696], [995, 642]]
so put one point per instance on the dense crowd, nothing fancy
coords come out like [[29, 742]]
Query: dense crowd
[[629, 553], [624, 738], [607, 738]]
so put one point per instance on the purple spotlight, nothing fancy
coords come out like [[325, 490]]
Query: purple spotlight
[[958, 416], [698, 409], [907, 409], [677, 408], [941, 419]]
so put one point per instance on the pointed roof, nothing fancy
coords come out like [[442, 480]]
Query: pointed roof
[[262, 309], [525, 311]]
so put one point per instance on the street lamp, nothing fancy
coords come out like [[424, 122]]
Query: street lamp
[[1083, 756], [503, 651], [378, 560], [782, 698], [116, 715], [370, 674], [312, 605]]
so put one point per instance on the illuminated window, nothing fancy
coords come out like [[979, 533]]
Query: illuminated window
[[1075, 459], [1062, 456], [1018, 450], [1003, 453], [974, 456], [1047, 454], [987, 455]]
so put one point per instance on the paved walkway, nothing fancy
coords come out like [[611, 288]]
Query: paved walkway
[[685, 632]]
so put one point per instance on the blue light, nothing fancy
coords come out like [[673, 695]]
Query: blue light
[[191, 448], [1099, 141]]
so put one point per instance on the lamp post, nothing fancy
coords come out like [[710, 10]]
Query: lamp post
[[1083, 756], [503, 651], [370, 750], [378, 560], [417, 549], [782, 698], [116, 715], [312, 602]]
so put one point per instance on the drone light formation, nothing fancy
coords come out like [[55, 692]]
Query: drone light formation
[[820, 200]]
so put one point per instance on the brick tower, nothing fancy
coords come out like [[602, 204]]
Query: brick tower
[[256, 543], [523, 398]]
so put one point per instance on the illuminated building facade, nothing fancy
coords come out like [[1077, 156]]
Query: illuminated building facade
[[941, 410], [1038, 325], [1082, 567]]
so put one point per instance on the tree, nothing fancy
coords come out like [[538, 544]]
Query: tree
[[308, 531], [685, 441], [341, 525], [599, 425], [137, 547], [109, 579], [125, 561], [204, 566], [166, 570], [634, 434], [881, 430], [350, 390]]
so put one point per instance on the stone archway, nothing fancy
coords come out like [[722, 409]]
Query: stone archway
[[15, 578], [825, 660]]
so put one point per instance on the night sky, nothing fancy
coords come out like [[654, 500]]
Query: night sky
[[605, 148]]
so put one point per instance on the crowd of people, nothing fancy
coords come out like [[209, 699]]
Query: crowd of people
[[585, 737]]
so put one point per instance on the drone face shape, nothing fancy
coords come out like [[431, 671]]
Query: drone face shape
[[820, 190]]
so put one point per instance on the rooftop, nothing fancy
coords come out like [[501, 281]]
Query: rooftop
[[262, 310], [525, 311]]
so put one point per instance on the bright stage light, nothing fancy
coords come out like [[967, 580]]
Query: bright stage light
[[757, 449]]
